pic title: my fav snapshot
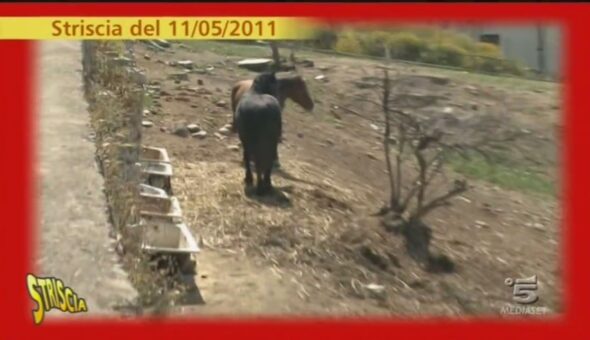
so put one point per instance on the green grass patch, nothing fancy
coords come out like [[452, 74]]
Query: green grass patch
[[512, 177], [148, 101], [229, 48]]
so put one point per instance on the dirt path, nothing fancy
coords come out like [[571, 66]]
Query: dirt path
[[74, 231]]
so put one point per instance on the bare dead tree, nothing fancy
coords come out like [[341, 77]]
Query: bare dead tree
[[411, 198], [412, 138]]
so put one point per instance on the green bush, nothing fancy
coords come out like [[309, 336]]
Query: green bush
[[488, 50], [459, 40], [497, 66], [423, 44], [446, 54], [407, 46], [374, 43], [349, 42], [325, 39]]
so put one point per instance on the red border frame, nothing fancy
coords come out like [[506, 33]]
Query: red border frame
[[17, 133]]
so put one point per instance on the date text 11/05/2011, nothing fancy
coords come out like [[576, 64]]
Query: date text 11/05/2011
[[222, 28]]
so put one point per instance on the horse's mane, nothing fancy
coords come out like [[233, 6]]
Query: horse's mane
[[262, 85]]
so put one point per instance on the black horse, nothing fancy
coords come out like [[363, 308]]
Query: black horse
[[259, 125]]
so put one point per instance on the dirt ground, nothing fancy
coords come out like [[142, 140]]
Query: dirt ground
[[315, 247]]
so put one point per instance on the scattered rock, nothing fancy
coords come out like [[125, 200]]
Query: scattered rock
[[233, 147], [147, 57], [474, 107], [182, 99], [182, 131], [448, 109], [162, 43], [163, 129], [146, 112], [221, 103], [374, 127], [224, 131], [465, 199], [376, 290], [306, 63], [123, 61], [192, 128], [186, 64], [199, 90], [200, 82], [209, 69], [371, 156], [299, 134], [147, 124], [471, 89], [201, 134], [178, 76], [321, 77], [539, 226], [481, 224]]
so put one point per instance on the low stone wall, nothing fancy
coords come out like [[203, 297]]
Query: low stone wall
[[114, 91], [115, 94]]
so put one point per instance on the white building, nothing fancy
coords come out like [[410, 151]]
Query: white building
[[538, 47]]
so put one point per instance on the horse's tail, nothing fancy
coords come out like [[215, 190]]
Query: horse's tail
[[234, 104]]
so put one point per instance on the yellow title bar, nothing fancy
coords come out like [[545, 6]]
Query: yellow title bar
[[193, 28]]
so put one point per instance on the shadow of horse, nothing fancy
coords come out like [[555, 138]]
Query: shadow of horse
[[275, 197], [286, 175]]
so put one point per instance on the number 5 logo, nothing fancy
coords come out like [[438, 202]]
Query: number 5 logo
[[524, 290]]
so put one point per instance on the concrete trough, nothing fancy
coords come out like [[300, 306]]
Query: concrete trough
[[154, 199], [166, 231], [162, 235], [160, 232], [157, 174], [153, 154]]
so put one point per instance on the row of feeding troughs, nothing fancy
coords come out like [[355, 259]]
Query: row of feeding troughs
[[163, 228]]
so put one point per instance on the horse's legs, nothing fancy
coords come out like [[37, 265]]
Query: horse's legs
[[248, 180], [276, 163], [267, 181], [260, 185]]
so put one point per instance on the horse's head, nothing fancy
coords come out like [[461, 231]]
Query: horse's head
[[294, 88], [266, 83]]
